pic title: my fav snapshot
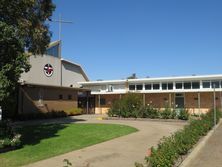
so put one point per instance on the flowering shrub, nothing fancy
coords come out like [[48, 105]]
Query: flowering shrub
[[150, 112], [127, 107], [8, 138], [131, 106], [171, 148]]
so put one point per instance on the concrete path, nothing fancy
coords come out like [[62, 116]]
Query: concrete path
[[120, 152], [211, 153]]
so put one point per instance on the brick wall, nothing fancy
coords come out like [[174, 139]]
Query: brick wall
[[30, 101], [161, 100]]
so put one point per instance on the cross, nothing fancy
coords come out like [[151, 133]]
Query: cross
[[60, 21]]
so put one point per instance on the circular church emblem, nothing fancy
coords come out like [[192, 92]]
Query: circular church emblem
[[48, 70]]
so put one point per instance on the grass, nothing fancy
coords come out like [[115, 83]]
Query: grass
[[45, 141]]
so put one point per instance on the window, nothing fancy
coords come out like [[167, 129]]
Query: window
[[167, 86], [110, 88], [215, 84], [139, 87], [53, 51], [206, 84], [179, 85], [179, 95], [102, 101], [170, 86], [187, 85], [60, 97], [156, 86], [195, 85], [148, 86], [132, 87], [164, 86], [69, 97]]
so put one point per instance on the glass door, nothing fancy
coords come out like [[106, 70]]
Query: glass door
[[179, 100]]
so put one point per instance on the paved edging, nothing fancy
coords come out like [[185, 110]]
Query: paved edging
[[199, 146], [144, 119]]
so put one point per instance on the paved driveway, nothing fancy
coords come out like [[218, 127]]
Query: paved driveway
[[120, 152], [210, 155]]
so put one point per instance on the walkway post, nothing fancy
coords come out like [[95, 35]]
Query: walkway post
[[144, 99], [87, 103], [99, 106], [215, 116], [220, 101], [199, 103]]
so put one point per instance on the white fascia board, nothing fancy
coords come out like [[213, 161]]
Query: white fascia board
[[179, 78], [108, 93], [159, 91], [161, 79], [103, 82]]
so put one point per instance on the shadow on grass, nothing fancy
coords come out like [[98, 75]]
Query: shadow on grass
[[32, 135], [34, 131]]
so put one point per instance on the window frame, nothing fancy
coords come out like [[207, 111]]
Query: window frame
[[155, 84], [178, 83], [150, 86]]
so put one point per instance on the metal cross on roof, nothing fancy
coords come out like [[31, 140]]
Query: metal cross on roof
[[60, 21]]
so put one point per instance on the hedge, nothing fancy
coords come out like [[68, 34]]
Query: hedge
[[50, 114], [171, 148]]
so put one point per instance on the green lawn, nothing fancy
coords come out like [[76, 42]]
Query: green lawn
[[44, 141]]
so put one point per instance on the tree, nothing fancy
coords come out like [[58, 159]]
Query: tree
[[133, 76], [22, 31]]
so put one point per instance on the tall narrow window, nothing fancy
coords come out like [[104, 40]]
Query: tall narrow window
[[170, 86], [215, 84], [132, 87], [139, 87], [195, 85], [179, 85], [69, 97], [206, 84], [187, 85], [164, 86], [102, 101], [148, 87], [110, 88], [156, 86]]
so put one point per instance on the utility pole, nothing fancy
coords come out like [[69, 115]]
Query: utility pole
[[60, 21]]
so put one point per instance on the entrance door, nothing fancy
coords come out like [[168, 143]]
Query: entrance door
[[87, 104], [179, 100]]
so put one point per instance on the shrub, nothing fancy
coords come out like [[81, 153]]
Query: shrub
[[183, 114], [150, 112], [73, 111], [115, 109], [8, 137], [128, 106], [41, 115], [168, 113], [171, 148]]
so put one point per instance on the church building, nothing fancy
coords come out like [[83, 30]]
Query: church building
[[51, 84]]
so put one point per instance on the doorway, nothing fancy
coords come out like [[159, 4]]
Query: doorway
[[179, 100]]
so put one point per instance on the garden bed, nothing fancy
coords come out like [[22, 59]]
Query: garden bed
[[145, 119], [130, 106], [173, 149], [9, 139]]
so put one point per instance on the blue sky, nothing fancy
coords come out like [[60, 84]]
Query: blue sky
[[112, 39]]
